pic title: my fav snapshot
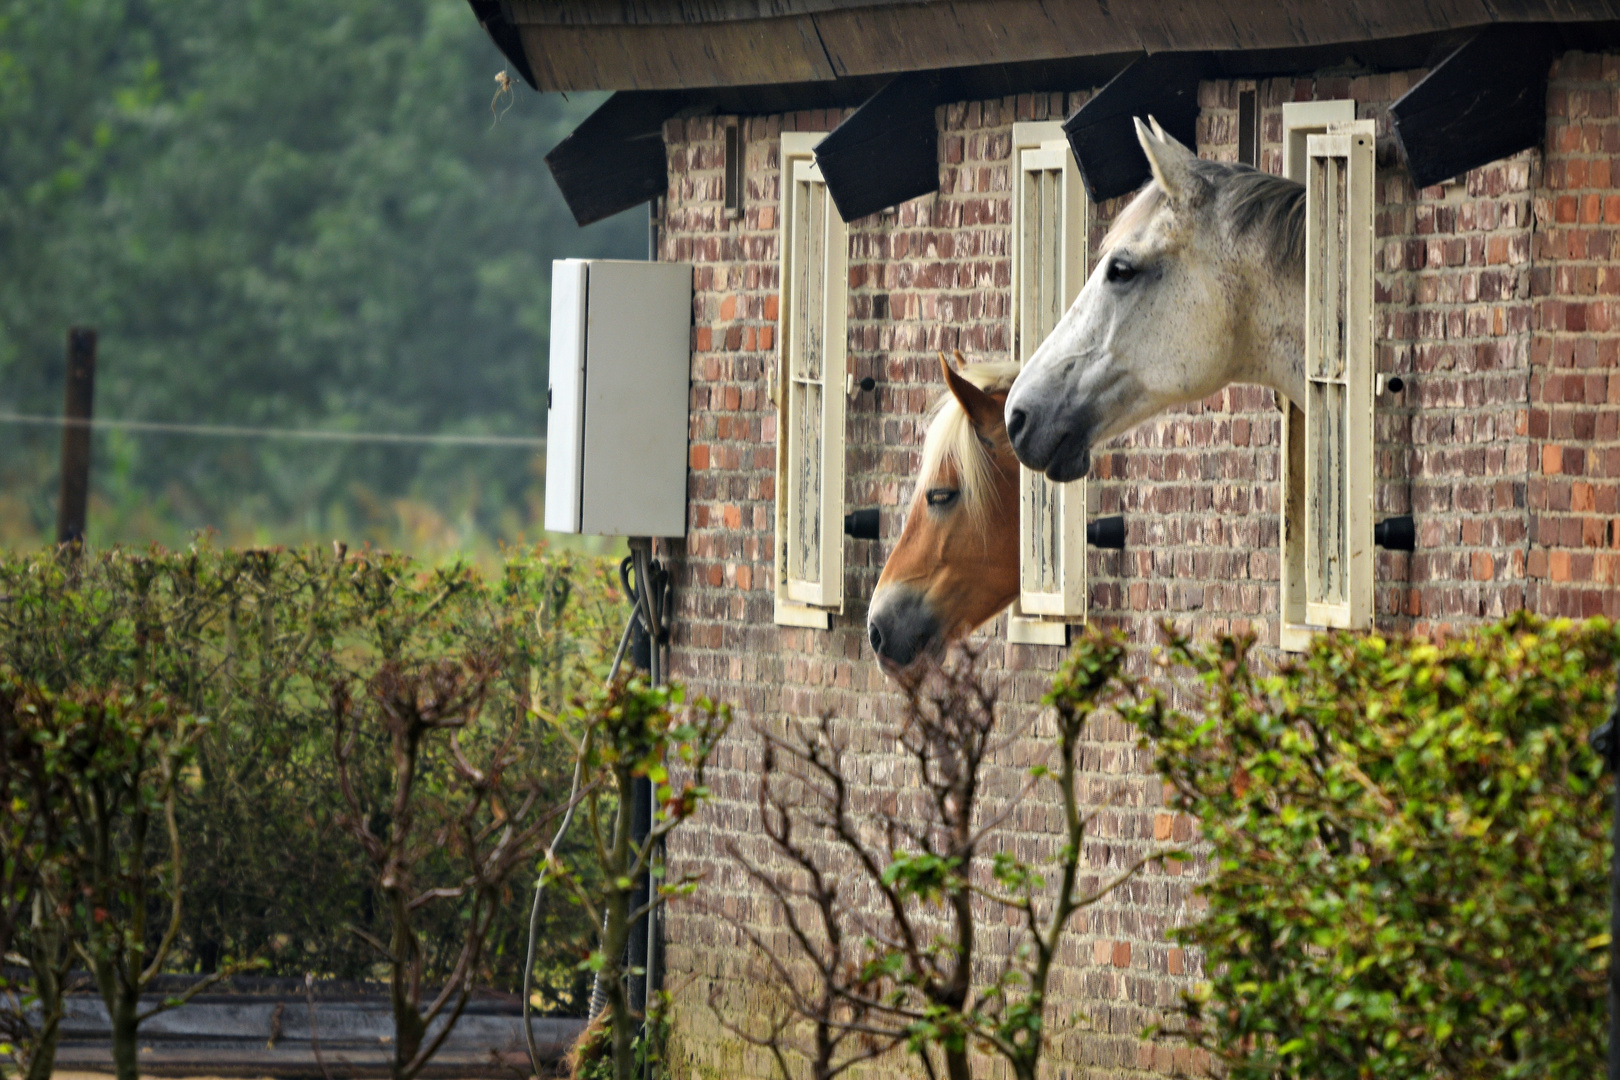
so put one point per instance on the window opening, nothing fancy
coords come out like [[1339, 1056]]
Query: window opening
[[736, 175], [1249, 127]]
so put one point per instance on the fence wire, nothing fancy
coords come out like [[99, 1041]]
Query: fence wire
[[233, 431]]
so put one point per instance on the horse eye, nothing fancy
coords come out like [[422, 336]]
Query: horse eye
[[1120, 270], [942, 496]]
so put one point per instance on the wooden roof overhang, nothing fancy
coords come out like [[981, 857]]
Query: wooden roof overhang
[[701, 44], [897, 61]]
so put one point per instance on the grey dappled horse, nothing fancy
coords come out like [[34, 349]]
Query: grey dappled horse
[[1200, 283]]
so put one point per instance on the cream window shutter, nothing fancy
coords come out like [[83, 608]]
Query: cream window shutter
[[810, 393], [1338, 465], [1050, 234], [1301, 120]]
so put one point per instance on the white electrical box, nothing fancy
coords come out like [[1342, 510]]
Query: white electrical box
[[617, 415]]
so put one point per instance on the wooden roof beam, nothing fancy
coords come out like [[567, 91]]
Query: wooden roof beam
[[615, 159], [1487, 100], [1102, 135], [886, 151]]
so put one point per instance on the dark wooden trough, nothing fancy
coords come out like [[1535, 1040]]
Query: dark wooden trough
[[263, 1027]]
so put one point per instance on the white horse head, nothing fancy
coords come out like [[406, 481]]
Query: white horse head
[[1200, 283]]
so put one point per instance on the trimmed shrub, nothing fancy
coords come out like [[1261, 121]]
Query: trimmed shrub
[[254, 641]]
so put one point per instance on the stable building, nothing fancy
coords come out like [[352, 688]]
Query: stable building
[[860, 184]]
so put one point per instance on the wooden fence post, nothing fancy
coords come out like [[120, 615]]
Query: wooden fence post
[[76, 411]]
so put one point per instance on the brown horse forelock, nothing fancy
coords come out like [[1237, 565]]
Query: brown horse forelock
[[965, 563]]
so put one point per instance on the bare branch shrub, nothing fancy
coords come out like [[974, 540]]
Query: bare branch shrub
[[626, 731], [861, 979], [460, 786]]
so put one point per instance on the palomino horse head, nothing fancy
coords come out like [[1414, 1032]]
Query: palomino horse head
[[1200, 283], [956, 564]]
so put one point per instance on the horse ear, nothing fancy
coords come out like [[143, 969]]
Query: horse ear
[[981, 409], [1171, 162]]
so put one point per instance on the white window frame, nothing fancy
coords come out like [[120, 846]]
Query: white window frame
[[810, 601], [1326, 535], [1041, 615]]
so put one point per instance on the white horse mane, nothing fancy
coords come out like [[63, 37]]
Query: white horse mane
[[952, 440], [1246, 200]]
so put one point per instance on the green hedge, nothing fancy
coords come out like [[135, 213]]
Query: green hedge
[[253, 641], [1408, 852]]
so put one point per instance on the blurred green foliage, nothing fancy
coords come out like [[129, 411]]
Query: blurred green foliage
[[294, 214], [1408, 852], [258, 642]]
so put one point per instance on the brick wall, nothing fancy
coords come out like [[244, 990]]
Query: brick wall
[[933, 275], [1574, 404], [1503, 446]]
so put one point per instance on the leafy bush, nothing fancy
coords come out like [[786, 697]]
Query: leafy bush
[[256, 642], [98, 771], [1409, 854], [629, 731]]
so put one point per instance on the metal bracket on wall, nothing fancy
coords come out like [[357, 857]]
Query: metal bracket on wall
[[1108, 532], [1396, 534], [862, 524]]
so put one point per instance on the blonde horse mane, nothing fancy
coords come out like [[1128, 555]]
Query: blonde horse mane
[[951, 440]]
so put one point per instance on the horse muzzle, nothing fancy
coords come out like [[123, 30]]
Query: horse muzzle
[[1048, 437], [902, 628]]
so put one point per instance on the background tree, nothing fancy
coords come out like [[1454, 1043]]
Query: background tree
[[297, 214]]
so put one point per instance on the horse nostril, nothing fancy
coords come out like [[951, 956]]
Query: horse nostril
[[1015, 424], [875, 636]]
